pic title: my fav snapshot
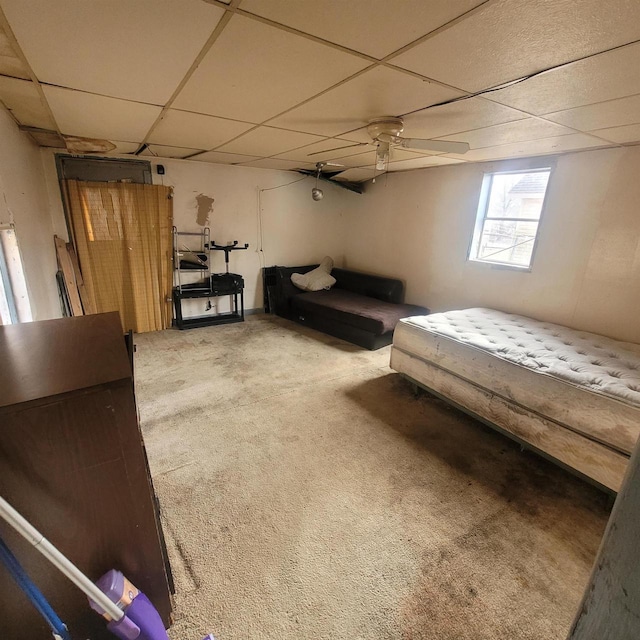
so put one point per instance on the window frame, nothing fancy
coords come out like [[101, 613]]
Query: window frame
[[18, 302], [482, 209], [7, 289]]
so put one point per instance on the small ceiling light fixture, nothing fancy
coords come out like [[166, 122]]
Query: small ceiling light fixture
[[316, 193], [382, 156]]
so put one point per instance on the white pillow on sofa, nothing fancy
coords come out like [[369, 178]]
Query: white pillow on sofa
[[317, 279]]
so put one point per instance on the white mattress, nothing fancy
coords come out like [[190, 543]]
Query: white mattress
[[586, 382]]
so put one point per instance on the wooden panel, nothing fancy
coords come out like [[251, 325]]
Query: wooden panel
[[64, 262], [76, 470], [149, 568], [590, 458], [611, 604], [72, 462], [87, 302], [42, 359]]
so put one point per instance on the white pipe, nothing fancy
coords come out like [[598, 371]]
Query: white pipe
[[32, 535]]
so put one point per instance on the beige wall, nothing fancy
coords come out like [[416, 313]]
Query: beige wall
[[23, 201], [296, 230], [586, 272]]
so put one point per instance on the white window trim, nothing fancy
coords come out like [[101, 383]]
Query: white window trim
[[19, 309], [483, 203]]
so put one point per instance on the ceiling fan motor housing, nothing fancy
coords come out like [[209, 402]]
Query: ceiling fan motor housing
[[388, 126]]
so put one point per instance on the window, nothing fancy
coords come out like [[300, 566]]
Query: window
[[508, 217], [14, 301]]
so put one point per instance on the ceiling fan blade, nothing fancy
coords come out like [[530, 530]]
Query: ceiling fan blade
[[445, 146], [357, 144]]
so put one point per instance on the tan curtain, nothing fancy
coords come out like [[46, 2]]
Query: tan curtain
[[122, 233]]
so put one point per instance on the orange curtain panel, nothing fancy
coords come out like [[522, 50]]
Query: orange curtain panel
[[122, 233]]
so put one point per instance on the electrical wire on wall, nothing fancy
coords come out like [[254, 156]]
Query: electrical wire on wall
[[260, 246]]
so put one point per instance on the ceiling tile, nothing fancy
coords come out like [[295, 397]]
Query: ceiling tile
[[614, 113], [518, 131], [164, 151], [419, 163], [630, 133], [283, 165], [21, 97], [85, 114], [603, 77], [378, 92], [356, 175], [321, 151], [463, 115], [183, 129], [387, 28], [88, 45], [509, 39], [218, 157], [573, 142], [123, 148], [267, 141], [10, 63], [12, 67], [254, 72]]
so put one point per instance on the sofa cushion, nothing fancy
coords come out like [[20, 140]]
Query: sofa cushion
[[387, 289], [359, 311]]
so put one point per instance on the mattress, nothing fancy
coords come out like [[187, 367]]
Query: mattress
[[583, 381]]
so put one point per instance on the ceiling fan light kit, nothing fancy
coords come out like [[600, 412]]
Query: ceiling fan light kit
[[383, 152]]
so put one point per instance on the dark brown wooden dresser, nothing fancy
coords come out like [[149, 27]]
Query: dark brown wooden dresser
[[72, 461]]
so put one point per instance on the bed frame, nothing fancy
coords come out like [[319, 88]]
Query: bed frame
[[591, 459]]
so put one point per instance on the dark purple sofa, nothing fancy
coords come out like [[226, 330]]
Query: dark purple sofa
[[360, 308]]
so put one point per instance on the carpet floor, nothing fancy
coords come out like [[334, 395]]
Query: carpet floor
[[307, 494]]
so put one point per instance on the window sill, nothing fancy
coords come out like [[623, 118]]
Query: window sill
[[501, 266]]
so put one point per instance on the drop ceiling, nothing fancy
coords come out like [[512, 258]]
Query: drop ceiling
[[285, 84]]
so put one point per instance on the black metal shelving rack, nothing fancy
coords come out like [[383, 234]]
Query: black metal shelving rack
[[211, 285]]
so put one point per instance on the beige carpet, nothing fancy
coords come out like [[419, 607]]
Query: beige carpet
[[307, 494]]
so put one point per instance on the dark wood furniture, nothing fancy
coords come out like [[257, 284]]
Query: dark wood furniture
[[72, 461]]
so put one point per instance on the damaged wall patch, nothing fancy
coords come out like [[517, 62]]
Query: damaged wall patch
[[204, 209]]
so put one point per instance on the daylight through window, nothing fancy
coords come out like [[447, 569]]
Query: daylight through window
[[14, 300], [508, 217]]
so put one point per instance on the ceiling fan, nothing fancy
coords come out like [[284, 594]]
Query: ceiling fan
[[385, 133]]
